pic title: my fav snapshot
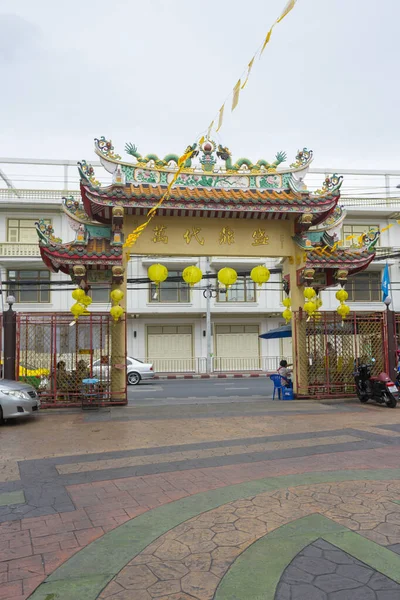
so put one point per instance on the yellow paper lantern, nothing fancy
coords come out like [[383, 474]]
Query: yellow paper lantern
[[309, 293], [157, 273], [310, 307], [192, 275], [318, 302], [116, 296], [342, 295], [116, 312], [227, 276], [287, 314], [260, 274], [287, 302], [77, 310], [78, 294], [343, 310], [86, 301]]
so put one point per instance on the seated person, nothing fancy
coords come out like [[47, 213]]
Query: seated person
[[285, 373]]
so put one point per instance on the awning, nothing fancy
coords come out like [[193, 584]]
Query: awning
[[279, 332]]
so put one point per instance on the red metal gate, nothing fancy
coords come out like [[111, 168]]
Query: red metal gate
[[54, 353], [325, 348]]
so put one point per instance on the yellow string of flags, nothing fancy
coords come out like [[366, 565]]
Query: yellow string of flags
[[132, 237]]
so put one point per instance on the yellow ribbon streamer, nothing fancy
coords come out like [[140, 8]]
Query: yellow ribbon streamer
[[249, 67], [236, 92], [220, 117], [287, 10], [267, 38]]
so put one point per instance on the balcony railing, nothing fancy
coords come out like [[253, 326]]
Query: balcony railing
[[34, 195], [14, 250]]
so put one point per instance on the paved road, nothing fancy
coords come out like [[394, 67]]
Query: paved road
[[193, 391]]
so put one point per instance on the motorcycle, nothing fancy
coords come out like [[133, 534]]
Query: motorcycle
[[381, 388]]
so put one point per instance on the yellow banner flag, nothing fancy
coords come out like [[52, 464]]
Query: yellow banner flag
[[249, 67], [287, 10], [211, 125], [268, 37], [221, 117], [236, 92]]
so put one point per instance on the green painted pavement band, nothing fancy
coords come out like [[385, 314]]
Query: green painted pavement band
[[86, 573], [257, 571], [8, 498]]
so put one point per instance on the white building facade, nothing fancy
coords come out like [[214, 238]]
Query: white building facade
[[167, 326]]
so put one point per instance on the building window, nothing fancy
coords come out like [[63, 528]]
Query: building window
[[100, 294], [23, 231], [30, 292], [170, 291], [244, 290], [365, 287], [351, 233]]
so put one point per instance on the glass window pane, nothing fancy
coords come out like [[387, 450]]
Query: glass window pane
[[100, 294]]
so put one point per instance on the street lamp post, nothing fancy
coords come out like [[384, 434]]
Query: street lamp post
[[10, 339]]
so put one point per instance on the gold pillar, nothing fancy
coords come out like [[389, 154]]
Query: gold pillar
[[291, 266], [118, 347]]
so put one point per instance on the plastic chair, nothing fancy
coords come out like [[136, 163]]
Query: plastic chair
[[90, 394], [277, 385]]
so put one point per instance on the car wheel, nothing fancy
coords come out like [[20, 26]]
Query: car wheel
[[133, 378]]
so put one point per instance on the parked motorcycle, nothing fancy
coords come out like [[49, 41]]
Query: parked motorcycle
[[381, 388]]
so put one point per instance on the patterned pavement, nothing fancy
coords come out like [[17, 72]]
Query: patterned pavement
[[280, 501]]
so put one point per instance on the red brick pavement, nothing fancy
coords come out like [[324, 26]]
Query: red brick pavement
[[32, 548]]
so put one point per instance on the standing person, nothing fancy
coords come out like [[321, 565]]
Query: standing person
[[285, 373]]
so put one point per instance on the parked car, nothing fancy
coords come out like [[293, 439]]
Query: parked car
[[17, 399], [136, 370]]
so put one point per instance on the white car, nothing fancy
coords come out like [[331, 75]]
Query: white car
[[17, 399], [136, 370]]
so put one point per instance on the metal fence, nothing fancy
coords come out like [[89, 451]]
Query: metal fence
[[219, 364], [55, 353], [326, 348]]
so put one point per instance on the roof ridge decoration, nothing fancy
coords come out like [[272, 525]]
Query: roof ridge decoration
[[210, 165], [87, 172], [46, 235]]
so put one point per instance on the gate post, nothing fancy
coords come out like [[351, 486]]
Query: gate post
[[10, 339], [118, 353], [300, 358], [391, 342]]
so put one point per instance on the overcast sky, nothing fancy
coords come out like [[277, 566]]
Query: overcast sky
[[154, 72]]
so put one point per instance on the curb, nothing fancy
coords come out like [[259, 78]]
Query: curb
[[210, 375]]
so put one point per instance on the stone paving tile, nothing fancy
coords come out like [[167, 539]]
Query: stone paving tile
[[334, 574], [319, 571]]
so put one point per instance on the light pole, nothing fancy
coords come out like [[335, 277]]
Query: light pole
[[10, 339]]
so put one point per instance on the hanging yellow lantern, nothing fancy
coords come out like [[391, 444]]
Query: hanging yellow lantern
[[342, 295], [192, 275], [309, 293], [116, 312], [227, 276], [116, 296], [260, 275], [310, 307], [77, 310], [78, 294], [343, 310], [318, 302], [86, 301], [287, 314], [287, 302], [157, 273]]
